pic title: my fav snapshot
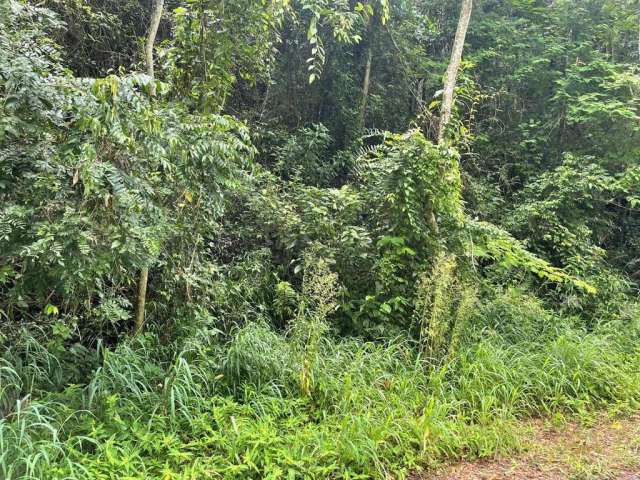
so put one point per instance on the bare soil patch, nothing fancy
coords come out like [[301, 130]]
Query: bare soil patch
[[610, 449]]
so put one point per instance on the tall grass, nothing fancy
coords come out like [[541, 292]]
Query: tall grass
[[239, 410]]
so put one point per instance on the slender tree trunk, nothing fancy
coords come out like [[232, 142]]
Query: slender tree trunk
[[265, 101], [158, 5], [454, 66], [419, 96], [365, 85], [142, 299], [203, 53], [449, 87], [156, 15]]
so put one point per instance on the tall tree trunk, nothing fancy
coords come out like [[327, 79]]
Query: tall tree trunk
[[365, 86], [449, 87], [454, 66], [158, 6]]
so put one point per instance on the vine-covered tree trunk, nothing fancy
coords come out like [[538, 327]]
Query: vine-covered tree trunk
[[449, 87], [158, 6], [454, 66]]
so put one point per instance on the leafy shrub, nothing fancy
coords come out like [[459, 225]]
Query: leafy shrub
[[305, 157], [103, 184]]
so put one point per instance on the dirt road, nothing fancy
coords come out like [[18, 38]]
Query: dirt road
[[610, 449]]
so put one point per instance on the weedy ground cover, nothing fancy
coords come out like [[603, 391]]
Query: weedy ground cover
[[245, 409]]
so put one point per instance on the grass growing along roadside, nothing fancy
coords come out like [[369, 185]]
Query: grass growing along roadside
[[371, 410]]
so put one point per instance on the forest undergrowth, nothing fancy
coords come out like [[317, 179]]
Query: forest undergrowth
[[264, 405]]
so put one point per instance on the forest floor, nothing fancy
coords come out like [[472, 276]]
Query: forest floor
[[606, 449]]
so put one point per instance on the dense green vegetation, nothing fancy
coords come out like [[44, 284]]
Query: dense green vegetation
[[268, 255]]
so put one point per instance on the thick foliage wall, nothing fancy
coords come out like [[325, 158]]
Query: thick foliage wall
[[326, 298]]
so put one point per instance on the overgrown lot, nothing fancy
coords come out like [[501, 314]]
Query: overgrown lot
[[286, 251]]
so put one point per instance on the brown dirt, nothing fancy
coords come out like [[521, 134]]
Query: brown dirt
[[568, 451]]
